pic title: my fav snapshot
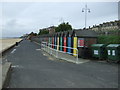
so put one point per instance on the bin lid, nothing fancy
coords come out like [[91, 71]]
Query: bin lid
[[98, 45], [113, 45]]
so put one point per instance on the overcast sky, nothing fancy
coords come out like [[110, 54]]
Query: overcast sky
[[19, 18]]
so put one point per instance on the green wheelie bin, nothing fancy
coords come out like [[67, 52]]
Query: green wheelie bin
[[113, 52], [99, 51]]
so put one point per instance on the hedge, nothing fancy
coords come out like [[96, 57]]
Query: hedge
[[110, 39]]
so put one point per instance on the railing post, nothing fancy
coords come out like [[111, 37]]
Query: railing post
[[77, 57], [45, 47], [51, 50], [48, 48], [57, 52]]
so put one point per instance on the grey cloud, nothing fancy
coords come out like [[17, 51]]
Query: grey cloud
[[24, 17]]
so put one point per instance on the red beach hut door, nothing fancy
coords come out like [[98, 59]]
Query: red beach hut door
[[65, 44]]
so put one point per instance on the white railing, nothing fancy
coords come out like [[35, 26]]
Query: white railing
[[60, 53]]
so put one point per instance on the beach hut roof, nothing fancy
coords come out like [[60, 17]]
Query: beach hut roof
[[85, 33], [66, 33], [71, 32]]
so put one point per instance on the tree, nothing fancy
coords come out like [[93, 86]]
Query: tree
[[63, 27], [43, 31], [32, 33]]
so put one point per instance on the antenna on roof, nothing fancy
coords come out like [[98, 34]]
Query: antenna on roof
[[61, 20]]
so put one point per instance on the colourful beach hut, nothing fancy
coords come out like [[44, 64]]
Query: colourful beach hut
[[70, 41], [55, 41], [50, 40], [61, 41], [65, 35], [58, 40], [83, 39]]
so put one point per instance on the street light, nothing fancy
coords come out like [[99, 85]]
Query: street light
[[86, 9]]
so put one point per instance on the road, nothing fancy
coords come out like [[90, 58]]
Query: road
[[32, 68]]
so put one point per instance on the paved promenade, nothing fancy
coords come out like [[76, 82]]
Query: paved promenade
[[33, 68], [4, 67], [0, 76]]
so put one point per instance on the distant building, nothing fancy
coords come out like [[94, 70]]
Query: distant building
[[108, 26], [50, 29]]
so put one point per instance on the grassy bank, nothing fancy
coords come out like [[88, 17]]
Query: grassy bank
[[110, 39]]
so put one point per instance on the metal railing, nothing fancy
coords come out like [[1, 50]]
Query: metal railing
[[61, 54]]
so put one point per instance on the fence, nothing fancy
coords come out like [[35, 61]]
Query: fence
[[47, 47]]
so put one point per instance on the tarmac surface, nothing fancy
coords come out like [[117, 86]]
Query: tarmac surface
[[5, 66], [0, 76], [33, 68]]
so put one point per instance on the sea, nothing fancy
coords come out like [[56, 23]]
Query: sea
[[9, 37]]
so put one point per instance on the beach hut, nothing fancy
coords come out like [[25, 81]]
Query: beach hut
[[52, 40], [70, 41], [55, 41], [61, 41], [83, 39], [58, 40], [65, 35]]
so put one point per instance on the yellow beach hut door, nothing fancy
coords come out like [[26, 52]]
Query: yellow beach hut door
[[75, 46]]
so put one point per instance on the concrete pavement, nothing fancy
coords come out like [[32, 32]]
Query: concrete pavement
[[33, 68]]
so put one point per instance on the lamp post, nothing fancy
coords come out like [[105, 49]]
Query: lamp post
[[86, 9]]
